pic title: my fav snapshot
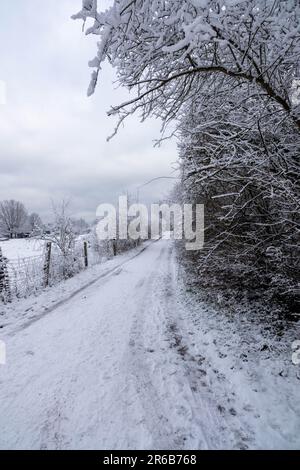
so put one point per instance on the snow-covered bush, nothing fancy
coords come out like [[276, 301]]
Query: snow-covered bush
[[5, 291], [246, 174]]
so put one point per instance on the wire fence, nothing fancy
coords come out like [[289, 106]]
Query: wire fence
[[22, 277]]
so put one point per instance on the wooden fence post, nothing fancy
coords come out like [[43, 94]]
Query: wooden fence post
[[47, 264], [114, 246], [85, 251], [5, 293]]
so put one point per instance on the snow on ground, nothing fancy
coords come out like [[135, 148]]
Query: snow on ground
[[22, 248], [246, 372], [132, 361]]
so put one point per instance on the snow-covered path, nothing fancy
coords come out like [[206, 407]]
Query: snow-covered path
[[126, 363], [95, 372]]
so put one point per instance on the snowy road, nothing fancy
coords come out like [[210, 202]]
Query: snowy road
[[127, 363], [98, 371]]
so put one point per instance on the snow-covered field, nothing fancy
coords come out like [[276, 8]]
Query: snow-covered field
[[22, 248], [121, 357]]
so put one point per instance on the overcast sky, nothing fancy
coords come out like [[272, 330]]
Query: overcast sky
[[52, 137]]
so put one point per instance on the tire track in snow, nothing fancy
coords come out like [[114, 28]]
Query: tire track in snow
[[169, 415], [155, 414]]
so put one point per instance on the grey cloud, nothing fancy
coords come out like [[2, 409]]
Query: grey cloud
[[52, 137]]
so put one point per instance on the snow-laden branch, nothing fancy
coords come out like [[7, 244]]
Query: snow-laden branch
[[158, 47]]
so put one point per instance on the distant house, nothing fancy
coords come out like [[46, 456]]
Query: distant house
[[23, 235]]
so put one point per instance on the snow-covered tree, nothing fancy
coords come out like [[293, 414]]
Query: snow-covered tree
[[62, 236], [35, 223], [62, 233], [171, 51], [13, 217]]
